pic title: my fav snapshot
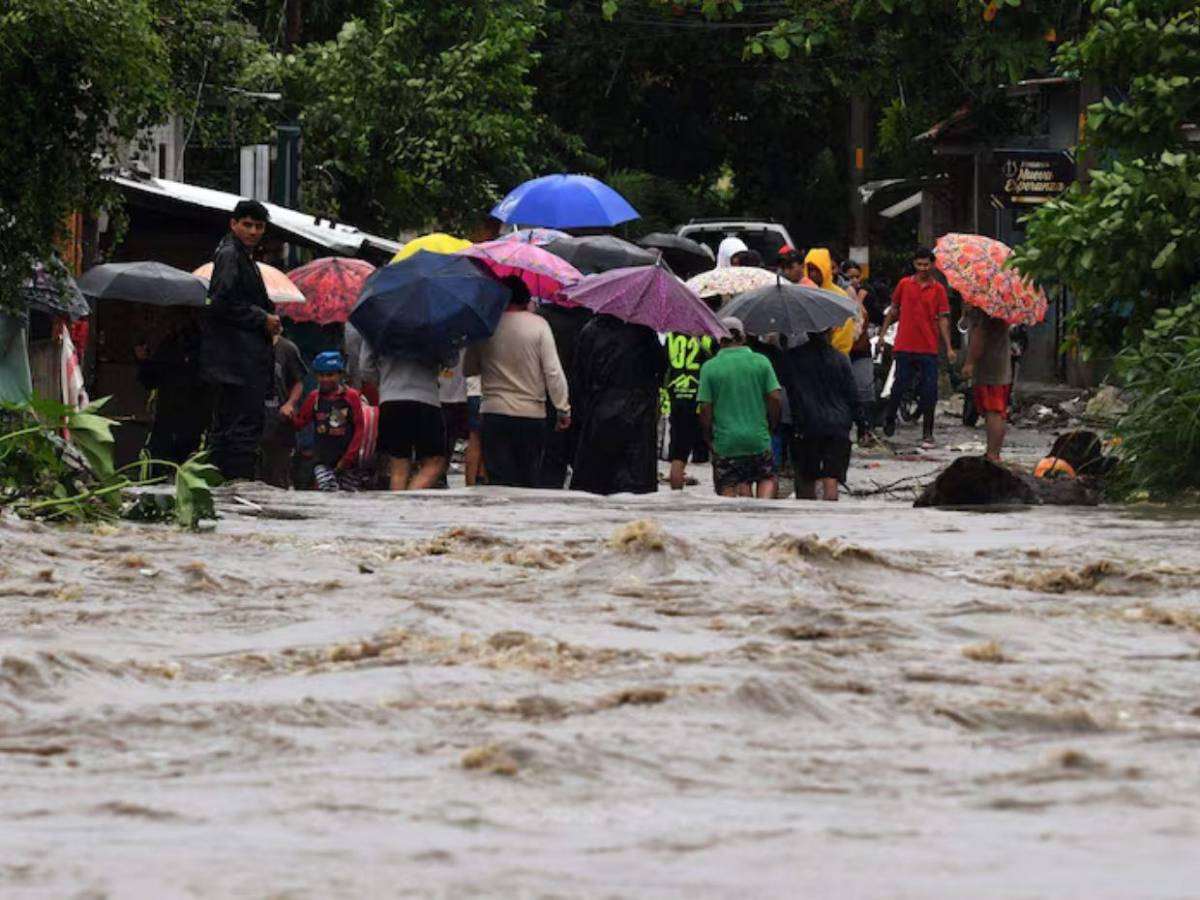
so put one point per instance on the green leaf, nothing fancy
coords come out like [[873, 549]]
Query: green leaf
[[609, 8], [1164, 255]]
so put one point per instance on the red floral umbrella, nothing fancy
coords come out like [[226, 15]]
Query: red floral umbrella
[[975, 266], [330, 287]]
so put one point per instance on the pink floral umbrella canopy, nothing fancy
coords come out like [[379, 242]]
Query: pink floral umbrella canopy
[[975, 267], [543, 273]]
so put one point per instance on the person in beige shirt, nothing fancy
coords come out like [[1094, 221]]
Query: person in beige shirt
[[518, 368]]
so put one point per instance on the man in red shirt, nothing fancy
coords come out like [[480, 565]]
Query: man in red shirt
[[920, 303]]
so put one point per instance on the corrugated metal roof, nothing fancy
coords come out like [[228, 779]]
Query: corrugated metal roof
[[343, 240]]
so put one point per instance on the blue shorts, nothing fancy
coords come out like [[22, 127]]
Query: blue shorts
[[474, 422]]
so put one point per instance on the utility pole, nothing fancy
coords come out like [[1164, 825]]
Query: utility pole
[[860, 132]]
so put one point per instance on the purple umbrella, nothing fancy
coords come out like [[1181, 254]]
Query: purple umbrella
[[647, 295]]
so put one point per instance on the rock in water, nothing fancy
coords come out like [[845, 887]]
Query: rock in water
[[977, 481]]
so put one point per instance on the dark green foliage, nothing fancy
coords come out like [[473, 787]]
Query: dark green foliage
[[79, 77], [1160, 435], [45, 476]]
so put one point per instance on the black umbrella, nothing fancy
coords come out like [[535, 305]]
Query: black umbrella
[[685, 256], [600, 253], [53, 290], [790, 309], [144, 282]]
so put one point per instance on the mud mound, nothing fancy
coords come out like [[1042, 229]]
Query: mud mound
[[977, 481]]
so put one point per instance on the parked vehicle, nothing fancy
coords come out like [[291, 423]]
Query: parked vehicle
[[764, 235]]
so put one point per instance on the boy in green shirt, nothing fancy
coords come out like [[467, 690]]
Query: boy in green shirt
[[738, 403]]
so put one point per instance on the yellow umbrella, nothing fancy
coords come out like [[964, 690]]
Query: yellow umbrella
[[438, 242], [279, 287]]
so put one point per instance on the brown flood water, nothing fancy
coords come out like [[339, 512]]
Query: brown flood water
[[537, 694]]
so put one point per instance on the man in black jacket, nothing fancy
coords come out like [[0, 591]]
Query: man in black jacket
[[238, 357], [824, 400]]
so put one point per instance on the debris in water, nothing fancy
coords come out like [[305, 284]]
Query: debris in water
[[990, 652], [508, 640], [1060, 581], [490, 759], [639, 536], [1156, 615], [647, 696], [812, 547]]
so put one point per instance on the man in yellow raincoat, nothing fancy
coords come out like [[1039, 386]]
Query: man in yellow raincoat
[[818, 265]]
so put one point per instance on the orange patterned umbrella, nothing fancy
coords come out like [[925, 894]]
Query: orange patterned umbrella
[[975, 266], [279, 287]]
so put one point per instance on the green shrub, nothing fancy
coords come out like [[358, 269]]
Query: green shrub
[[1160, 435], [44, 475]]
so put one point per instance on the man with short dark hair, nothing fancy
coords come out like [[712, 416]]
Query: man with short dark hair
[[739, 402], [922, 307], [791, 266], [239, 358]]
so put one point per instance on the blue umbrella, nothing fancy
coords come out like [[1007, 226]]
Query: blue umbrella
[[565, 201], [428, 304]]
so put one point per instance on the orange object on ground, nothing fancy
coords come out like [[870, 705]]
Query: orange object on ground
[[1053, 467]]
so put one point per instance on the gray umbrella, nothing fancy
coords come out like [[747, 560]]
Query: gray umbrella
[[600, 253], [144, 282], [53, 290], [686, 257], [790, 309]]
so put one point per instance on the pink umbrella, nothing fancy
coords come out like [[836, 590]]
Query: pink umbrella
[[647, 295], [543, 273]]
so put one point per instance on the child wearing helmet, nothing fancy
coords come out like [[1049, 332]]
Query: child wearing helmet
[[336, 412]]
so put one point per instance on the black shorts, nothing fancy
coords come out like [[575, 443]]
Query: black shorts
[[687, 440], [408, 428], [455, 417], [731, 471], [821, 457]]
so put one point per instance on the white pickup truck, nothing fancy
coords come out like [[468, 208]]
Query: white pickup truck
[[764, 235]]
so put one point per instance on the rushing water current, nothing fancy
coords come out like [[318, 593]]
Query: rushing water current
[[504, 693]]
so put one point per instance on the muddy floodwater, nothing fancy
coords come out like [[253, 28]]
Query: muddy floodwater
[[501, 693]]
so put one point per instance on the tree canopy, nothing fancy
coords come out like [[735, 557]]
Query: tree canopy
[[1129, 243], [80, 77]]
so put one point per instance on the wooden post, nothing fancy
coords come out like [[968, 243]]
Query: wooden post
[[860, 132]]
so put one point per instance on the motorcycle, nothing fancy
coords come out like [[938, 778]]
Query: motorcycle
[[885, 378]]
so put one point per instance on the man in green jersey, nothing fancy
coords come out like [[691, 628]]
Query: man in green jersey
[[685, 355], [738, 402]]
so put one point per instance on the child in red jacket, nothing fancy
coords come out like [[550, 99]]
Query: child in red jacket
[[337, 414]]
